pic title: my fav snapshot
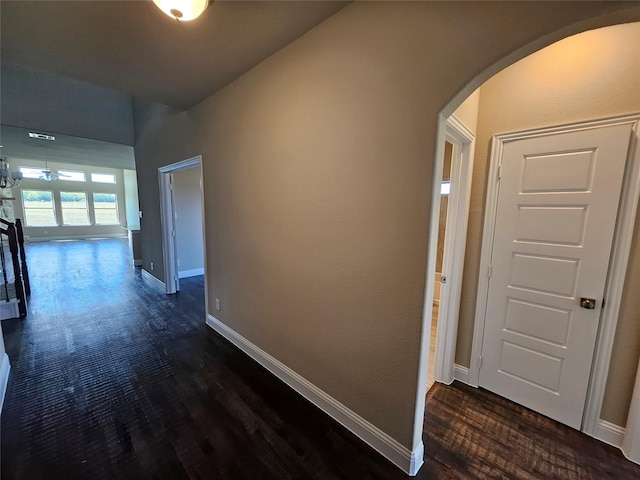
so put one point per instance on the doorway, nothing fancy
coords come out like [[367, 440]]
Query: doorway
[[445, 190], [182, 217], [451, 197], [537, 97]]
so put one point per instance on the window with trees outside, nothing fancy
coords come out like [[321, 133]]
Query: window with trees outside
[[74, 208], [106, 208], [38, 208]]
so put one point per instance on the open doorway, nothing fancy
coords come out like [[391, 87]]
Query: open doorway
[[445, 190], [453, 194], [182, 215], [605, 415]]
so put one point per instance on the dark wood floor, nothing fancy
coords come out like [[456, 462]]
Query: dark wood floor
[[113, 379]]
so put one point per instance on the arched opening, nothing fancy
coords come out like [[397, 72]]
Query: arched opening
[[552, 71], [581, 63]]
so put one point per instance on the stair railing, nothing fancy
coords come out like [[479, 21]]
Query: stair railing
[[14, 248]]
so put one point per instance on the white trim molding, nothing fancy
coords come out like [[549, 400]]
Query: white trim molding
[[616, 278], [461, 373], [455, 242], [5, 368], [156, 282], [167, 220], [191, 273], [453, 130], [610, 433], [592, 424], [409, 461]]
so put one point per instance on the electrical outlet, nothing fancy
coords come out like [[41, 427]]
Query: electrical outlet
[[218, 304], [151, 265]]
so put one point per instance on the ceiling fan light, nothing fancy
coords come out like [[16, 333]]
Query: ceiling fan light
[[182, 10]]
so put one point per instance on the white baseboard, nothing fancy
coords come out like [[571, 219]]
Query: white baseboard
[[94, 236], [5, 367], [610, 433], [407, 460], [159, 284], [191, 273], [461, 373]]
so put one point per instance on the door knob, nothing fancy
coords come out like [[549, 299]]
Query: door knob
[[588, 303]]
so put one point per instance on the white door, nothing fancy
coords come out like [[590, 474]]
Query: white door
[[556, 213]]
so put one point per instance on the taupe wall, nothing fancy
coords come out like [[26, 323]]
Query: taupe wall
[[42, 101], [467, 112], [188, 206], [591, 75], [317, 175]]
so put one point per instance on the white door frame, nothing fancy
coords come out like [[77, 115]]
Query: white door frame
[[453, 129], [591, 423], [455, 242], [167, 218]]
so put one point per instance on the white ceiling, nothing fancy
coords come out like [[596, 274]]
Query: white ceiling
[[133, 47]]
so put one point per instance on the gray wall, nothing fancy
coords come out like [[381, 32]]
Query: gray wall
[[160, 133], [318, 168], [42, 101], [188, 209]]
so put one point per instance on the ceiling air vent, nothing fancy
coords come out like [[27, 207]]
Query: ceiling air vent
[[41, 136]]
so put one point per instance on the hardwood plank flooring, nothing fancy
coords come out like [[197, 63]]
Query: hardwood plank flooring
[[113, 379]]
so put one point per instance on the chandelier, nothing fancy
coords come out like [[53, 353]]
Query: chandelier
[[8, 179]]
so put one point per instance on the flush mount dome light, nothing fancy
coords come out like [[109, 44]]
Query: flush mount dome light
[[182, 10]]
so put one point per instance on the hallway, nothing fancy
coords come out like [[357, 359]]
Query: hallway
[[113, 379]]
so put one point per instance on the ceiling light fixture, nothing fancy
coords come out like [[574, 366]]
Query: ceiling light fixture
[[182, 10], [41, 136]]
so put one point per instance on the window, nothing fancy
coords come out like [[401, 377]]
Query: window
[[74, 208], [31, 172], [38, 208], [106, 208], [71, 176], [103, 177]]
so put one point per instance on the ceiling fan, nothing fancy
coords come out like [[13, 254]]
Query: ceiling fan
[[48, 174]]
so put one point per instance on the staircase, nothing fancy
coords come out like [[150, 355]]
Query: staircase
[[14, 279]]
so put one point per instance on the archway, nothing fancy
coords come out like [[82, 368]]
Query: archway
[[438, 166]]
